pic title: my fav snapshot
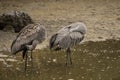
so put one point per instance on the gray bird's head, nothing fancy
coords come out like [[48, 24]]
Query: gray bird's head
[[78, 26]]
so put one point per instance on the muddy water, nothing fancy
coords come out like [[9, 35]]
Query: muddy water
[[91, 61]]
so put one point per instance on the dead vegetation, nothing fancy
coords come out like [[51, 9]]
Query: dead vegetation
[[16, 19]]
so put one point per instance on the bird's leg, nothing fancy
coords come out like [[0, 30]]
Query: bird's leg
[[31, 55], [69, 55], [31, 58], [66, 57], [26, 62], [31, 48]]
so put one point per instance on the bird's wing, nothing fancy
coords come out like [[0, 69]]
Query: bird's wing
[[65, 41], [56, 38], [71, 39], [26, 36], [61, 34], [52, 41], [76, 37]]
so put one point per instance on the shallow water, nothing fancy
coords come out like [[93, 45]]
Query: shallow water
[[91, 61]]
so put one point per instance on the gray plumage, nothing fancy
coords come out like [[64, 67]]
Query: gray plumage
[[68, 36], [28, 38]]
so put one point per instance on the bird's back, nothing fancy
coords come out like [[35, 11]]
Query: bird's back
[[27, 35]]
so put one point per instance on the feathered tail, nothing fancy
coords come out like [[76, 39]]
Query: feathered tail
[[24, 53], [52, 41]]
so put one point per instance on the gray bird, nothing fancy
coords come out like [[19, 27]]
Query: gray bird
[[67, 37], [27, 39]]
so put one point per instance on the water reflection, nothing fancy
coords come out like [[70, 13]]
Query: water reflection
[[91, 61]]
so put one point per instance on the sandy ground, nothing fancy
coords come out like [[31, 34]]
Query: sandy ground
[[102, 17]]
